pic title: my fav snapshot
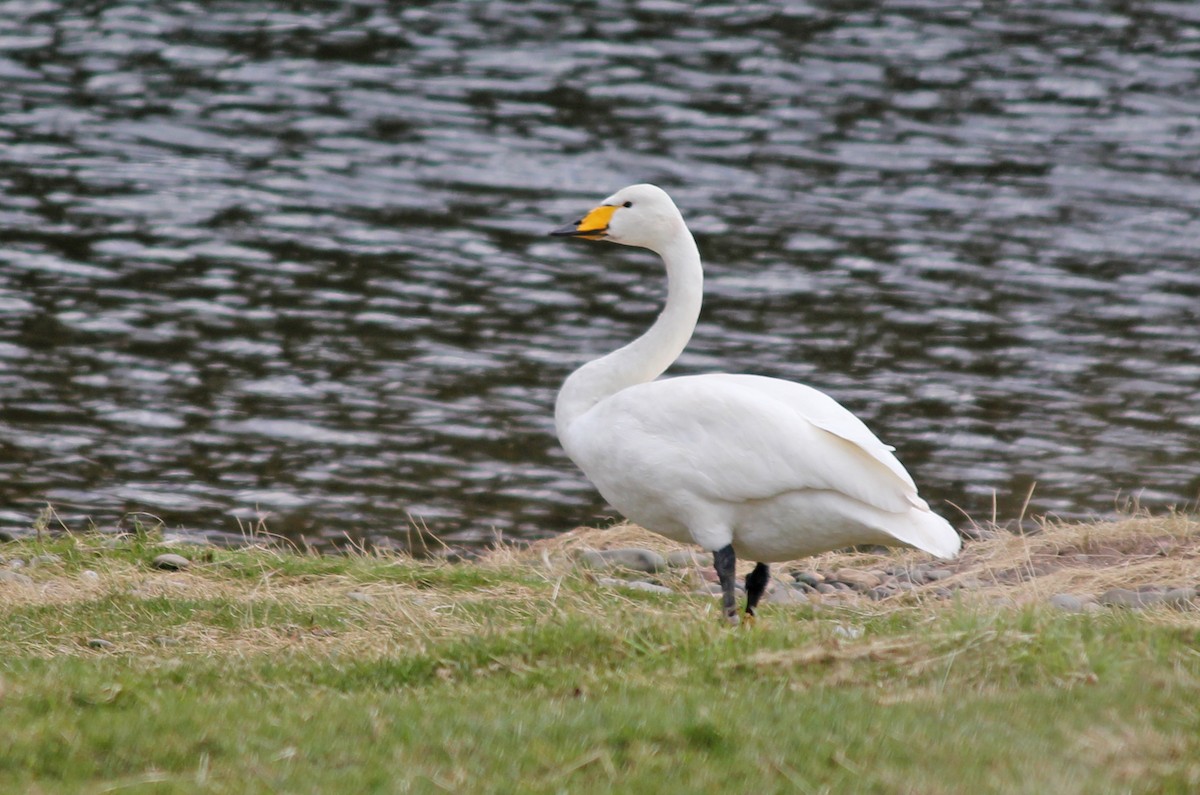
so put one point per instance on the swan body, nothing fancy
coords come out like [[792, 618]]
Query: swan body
[[742, 465]]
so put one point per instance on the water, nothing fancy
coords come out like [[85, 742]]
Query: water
[[287, 261]]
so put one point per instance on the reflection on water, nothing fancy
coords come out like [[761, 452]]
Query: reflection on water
[[289, 258]]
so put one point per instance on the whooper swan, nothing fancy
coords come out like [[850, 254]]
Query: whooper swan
[[743, 465]]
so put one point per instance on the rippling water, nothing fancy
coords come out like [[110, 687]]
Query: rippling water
[[288, 259]]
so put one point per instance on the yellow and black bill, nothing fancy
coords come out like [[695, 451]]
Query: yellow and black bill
[[592, 226]]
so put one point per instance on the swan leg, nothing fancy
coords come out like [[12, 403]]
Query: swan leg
[[724, 561], [756, 584]]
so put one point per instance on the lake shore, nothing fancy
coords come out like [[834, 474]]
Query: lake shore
[[541, 668]]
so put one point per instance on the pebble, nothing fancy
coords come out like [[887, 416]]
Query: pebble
[[881, 592], [859, 580], [785, 596], [1069, 602], [825, 588], [16, 577], [359, 596], [684, 558], [637, 585], [851, 633], [977, 533], [163, 640], [809, 578], [1123, 597], [44, 560], [171, 562], [1182, 598], [16, 563], [933, 575], [89, 575], [100, 643], [631, 558], [1146, 595]]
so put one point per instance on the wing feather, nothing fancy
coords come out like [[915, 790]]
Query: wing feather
[[738, 438]]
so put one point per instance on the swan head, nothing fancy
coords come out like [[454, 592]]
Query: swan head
[[640, 215]]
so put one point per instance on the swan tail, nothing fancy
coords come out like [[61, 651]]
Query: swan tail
[[928, 532]]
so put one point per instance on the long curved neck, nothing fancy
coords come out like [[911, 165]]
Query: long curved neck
[[649, 355]]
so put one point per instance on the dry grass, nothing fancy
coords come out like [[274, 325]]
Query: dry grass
[[380, 617], [1085, 559], [1139, 753]]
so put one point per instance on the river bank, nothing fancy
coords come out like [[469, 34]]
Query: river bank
[[542, 669]]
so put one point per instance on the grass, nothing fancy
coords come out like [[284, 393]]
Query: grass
[[264, 671]]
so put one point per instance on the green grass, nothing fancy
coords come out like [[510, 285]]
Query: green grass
[[258, 671]]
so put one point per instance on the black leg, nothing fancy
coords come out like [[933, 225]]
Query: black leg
[[756, 584], [724, 561]]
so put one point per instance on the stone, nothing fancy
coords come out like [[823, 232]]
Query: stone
[[880, 593], [631, 558], [977, 533], [809, 578], [858, 580], [1123, 597], [1182, 598], [15, 577], [171, 562], [45, 560], [684, 558], [100, 643], [1068, 602], [637, 585], [784, 596], [89, 576], [849, 633], [359, 596], [825, 588], [934, 575]]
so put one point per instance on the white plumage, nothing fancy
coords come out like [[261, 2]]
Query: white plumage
[[742, 465]]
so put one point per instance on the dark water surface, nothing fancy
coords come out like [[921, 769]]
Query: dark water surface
[[288, 259]]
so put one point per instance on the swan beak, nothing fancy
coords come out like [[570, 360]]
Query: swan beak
[[592, 226]]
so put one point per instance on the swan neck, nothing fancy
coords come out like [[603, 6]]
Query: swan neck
[[649, 355]]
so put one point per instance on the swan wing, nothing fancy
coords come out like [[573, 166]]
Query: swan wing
[[829, 415], [739, 438]]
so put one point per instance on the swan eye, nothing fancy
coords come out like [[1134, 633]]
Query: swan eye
[[627, 204]]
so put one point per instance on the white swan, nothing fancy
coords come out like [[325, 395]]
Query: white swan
[[745, 465]]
